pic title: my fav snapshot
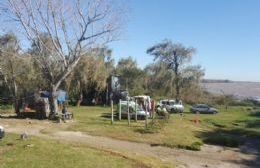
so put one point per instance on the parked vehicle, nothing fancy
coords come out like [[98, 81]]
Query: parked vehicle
[[141, 113], [203, 109], [2, 132], [172, 106]]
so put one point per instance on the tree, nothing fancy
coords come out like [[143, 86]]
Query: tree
[[175, 56], [14, 66], [191, 82], [90, 75], [159, 80], [63, 32], [132, 78]]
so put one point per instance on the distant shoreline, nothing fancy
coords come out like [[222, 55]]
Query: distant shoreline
[[239, 89], [225, 81]]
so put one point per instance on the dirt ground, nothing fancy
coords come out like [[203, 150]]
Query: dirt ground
[[210, 156]]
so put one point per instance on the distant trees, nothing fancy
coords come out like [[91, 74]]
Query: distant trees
[[15, 67], [62, 32], [192, 91], [90, 75], [159, 80], [21, 73], [174, 55], [66, 48], [132, 77]]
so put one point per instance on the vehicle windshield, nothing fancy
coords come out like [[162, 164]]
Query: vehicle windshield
[[164, 102]]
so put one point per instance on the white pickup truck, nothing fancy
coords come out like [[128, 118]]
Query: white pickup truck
[[172, 106]]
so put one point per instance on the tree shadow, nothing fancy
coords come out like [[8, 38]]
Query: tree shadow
[[24, 115], [243, 136], [237, 139], [252, 123], [255, 114], [107, 115]]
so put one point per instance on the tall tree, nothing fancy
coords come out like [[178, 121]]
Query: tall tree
[[159, 80], [132, 78], [175, 56], [90, 75], [73, 28], [191, 81], [14, 66]]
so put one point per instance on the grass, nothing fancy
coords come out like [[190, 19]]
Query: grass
[[6, 109], [225, 128], [39, 153], [176, 132]]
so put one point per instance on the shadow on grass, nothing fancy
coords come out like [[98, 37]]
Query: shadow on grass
[[251, 127], [108, 115], [252, 124], [244, 136], [255, 114], [223, 138], [247, 142], [29, 115]]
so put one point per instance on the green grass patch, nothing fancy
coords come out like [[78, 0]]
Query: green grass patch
[[176, 132], [38, 153]]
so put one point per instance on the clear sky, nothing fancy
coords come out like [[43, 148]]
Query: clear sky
[[226, 34]]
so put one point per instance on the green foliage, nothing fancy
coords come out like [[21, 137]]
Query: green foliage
[[90, 75], [132, 78], [175, 56]]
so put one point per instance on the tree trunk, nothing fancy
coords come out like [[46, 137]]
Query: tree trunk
[[15, 94], [16, 101], [53, 101], [177, 81], [80, 99]]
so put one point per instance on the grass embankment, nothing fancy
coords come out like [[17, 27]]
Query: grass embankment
[[39, 153], [225, 128]]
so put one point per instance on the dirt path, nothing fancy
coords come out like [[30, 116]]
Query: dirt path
[[210, 156]]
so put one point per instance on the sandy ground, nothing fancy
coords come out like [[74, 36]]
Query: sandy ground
[[210, 155]]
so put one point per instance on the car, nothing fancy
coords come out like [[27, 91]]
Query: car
[[172, 106], [2, 132], [203, 109]]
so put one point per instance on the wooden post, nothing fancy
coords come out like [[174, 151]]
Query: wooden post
[[128, 113], [197, 118], [135, 110], [146, 118], [153, 110], [120, 110], [112, 112]]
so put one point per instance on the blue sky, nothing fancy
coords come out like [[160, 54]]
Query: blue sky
[[226, 34]]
